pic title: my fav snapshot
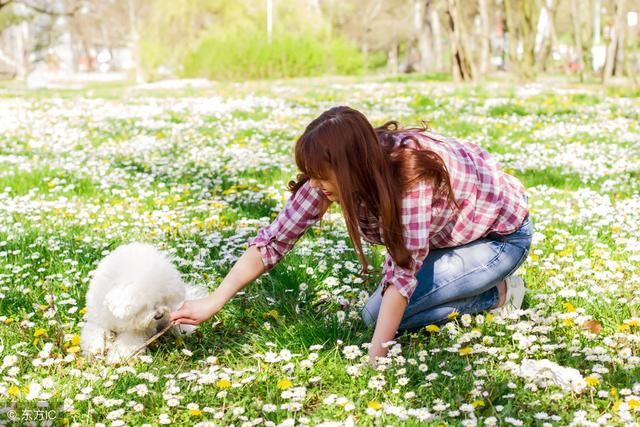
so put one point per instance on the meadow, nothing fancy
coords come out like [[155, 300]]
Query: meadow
[[198, 172]]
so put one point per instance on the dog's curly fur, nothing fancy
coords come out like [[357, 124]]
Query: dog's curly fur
[[129, 299]]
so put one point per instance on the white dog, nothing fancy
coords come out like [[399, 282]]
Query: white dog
[[129, 299]]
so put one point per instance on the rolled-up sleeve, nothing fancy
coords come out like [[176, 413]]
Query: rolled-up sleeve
[[301, 211], [416, 221]]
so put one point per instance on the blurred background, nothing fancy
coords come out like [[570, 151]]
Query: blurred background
[[44, 43]]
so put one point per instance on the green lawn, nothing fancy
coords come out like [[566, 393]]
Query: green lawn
[[198, 173]]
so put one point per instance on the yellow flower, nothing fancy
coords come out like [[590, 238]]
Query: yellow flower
[[617, 404], [489, 317], [13, 390], [477, 403], [195, 412], [452, 315], [75, 340], [375, 405], [633, 322], [73, 349], [569, 307], [39, 332], [223, 383], [634, 404], [622, 328], [432, 328], [613, 391], [273, 314], [83, 310], [567, 322], [465, 350], [592, 381], [284, 384]]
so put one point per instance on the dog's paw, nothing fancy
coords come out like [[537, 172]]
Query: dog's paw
[[94, 340]]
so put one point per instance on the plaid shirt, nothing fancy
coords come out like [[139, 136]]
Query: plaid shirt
[[490, 201]]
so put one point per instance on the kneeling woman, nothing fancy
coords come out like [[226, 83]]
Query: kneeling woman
[[455, 226]]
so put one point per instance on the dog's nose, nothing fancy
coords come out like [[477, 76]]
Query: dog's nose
[[159, 315]]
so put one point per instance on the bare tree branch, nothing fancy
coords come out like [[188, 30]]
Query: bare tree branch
[[47, 11], [4, 3]]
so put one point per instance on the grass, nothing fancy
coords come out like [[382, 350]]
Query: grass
[[93, 169]]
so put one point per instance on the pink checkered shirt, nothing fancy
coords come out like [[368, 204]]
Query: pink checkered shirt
[[490, 201]]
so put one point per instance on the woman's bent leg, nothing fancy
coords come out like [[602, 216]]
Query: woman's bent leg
[[460, 279]]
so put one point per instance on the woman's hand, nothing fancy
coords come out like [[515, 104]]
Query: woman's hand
[[376, 350], [194, 312], [389, 318]]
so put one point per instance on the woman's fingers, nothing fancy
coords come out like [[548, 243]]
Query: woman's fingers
[[180, 313], [187, 321]]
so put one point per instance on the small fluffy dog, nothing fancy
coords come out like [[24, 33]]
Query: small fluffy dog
[[129, 299]]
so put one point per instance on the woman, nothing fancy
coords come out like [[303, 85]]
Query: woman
[[455, 226]]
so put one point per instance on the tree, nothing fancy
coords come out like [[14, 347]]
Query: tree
[[576, 18], [615, 49], [462, 65], [17, 17], [485, 33], [546, 32], [522, 18]]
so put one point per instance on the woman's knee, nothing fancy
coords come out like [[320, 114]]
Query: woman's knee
[[371, 308], [368, 316]]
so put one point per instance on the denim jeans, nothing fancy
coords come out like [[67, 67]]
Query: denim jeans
[[462, 278]]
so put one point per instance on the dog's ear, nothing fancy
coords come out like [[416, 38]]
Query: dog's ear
[[121, 301]]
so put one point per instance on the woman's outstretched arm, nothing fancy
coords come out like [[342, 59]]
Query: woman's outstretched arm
[[246, 269], [389, 318]]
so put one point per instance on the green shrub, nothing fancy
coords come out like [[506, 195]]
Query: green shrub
[[507, 110], [250, 56]]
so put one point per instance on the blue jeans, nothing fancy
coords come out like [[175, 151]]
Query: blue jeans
[[462, 279]]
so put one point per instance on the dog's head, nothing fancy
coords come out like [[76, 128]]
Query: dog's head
[[132, 304], [147, 287]]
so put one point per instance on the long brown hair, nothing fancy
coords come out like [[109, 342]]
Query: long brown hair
[[368, 169]]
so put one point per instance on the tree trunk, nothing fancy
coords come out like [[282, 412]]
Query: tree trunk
[[616, 39], [393, 59], [548, 36], [135, 42], [577, 37], [462, 64], [437, 41], [521, 26], [423, 35], [485, 34]]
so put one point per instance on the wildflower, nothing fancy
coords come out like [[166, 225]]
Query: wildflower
[[375, 405], [465, 351], [477, 403], [223, 383], [351, 352], [466, 320], [284, 384], [592, 381]]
